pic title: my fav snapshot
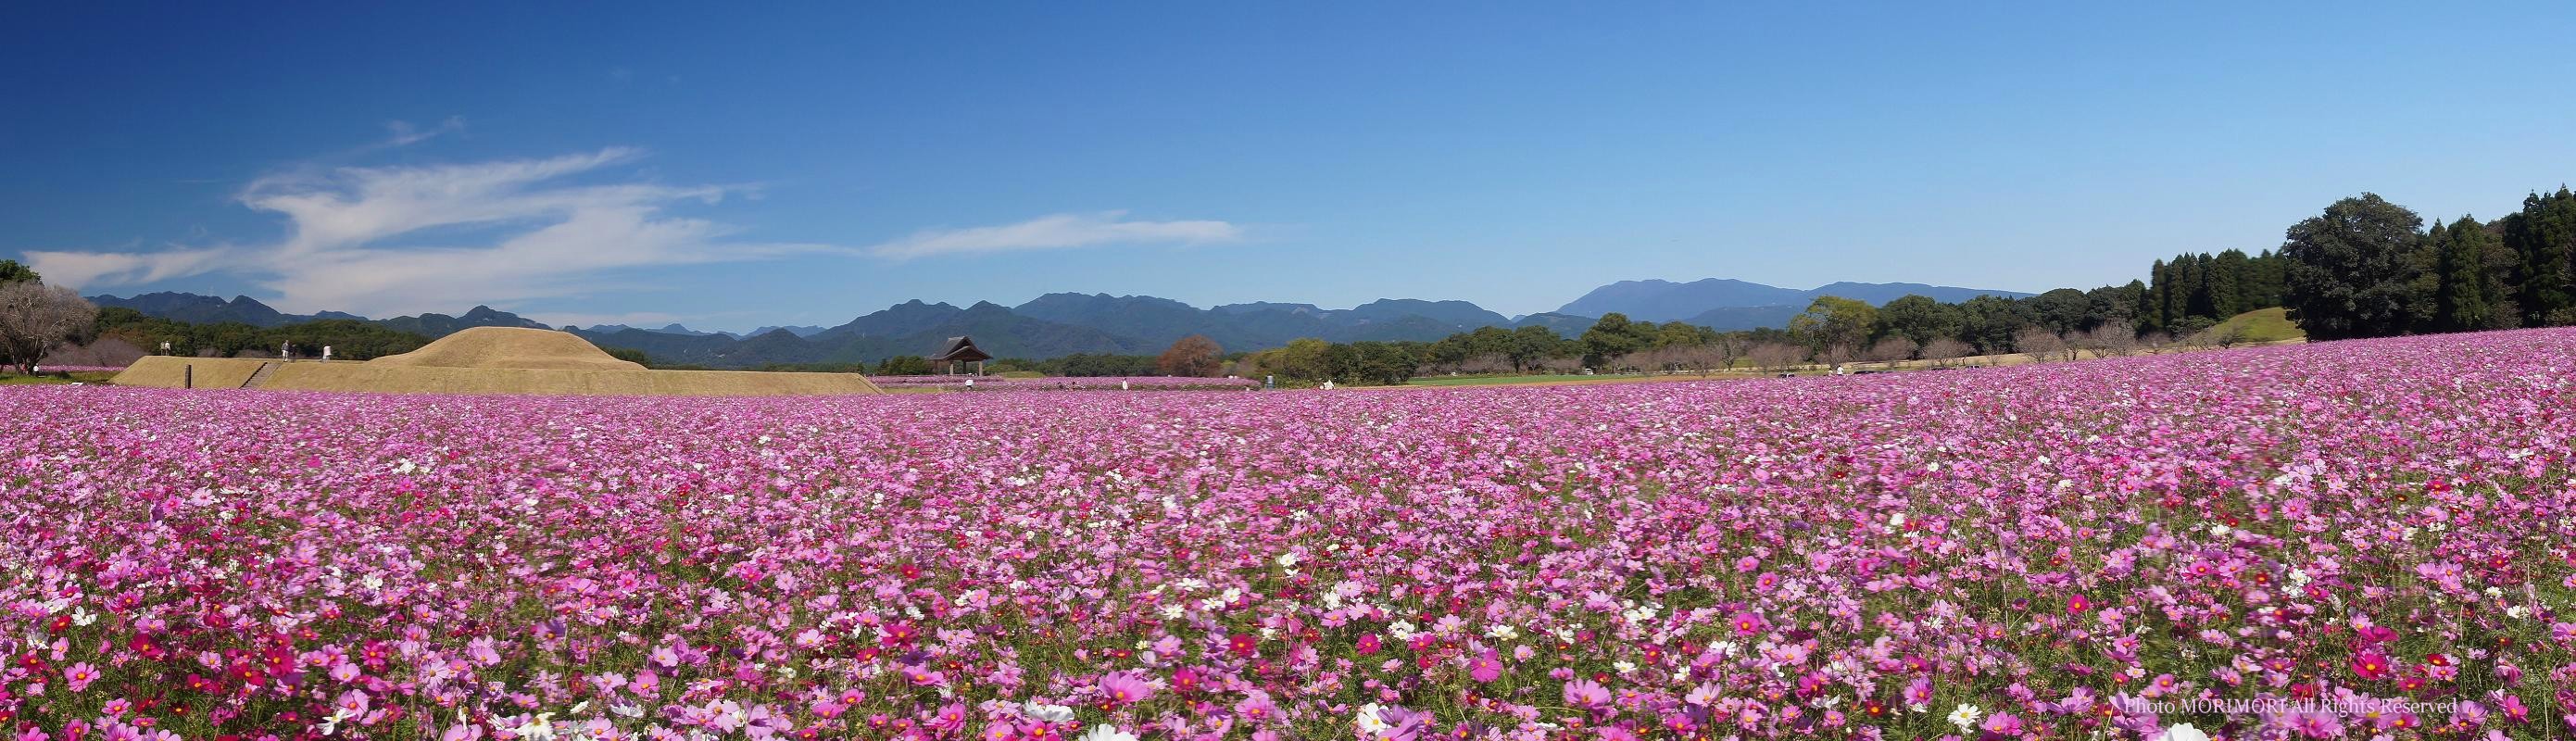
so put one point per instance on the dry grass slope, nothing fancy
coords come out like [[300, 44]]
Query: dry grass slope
[[163, 371]]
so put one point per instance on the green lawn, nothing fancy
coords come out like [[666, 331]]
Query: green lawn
[[2260, 325], [15, 379]]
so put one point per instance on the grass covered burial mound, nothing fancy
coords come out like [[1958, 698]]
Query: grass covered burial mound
[[489, 360], [509, 347]]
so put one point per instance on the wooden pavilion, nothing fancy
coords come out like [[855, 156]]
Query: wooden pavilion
[[958, 351]]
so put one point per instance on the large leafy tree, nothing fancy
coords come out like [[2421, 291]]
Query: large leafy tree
[[1306, 358], [1918, 318], [1678, 333], [1194, 356], [1987, 323], [1534, 343], [2352, 269], [2063, 310], [1614, 335], [1834, 321], [1374, 362]]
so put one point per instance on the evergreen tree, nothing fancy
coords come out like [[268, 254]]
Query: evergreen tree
[[2261, 288], [2196, 302], [2460, 279], [2543, 235], [2151, 306], [2226, 284]]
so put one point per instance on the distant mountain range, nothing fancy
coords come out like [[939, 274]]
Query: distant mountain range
[[1059, 324]]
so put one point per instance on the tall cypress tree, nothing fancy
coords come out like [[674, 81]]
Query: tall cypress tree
[[2226, 284], [2543, 235], [2151, 306], [2459, 268], [2185, 272], [2502, 290], [2271, 272]]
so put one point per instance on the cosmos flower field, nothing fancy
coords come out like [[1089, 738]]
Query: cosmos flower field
[[2357, 539]]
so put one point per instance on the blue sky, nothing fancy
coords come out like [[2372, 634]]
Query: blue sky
[[730, 167]]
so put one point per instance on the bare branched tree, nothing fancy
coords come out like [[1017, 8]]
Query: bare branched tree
[[36, 318], [2114, 339], [1890, 349], [1943, 351], [1776, 355], [2040, 344], [1492, 362], [1701, 359], [2223, 335]]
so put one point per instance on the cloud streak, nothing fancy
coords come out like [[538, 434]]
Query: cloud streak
[[404, 134], [542, 236], [382, 241], [1059, 231]]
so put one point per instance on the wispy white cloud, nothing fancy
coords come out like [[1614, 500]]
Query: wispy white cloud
[[95, 268], [1059, 231], [382, 241], [546, 237]]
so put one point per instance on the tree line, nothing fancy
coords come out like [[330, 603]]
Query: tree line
[[2369, 268]]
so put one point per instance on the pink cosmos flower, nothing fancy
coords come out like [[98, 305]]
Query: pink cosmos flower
[[1585, 693], [1486, 668], [1125, 688], [1747, 624]]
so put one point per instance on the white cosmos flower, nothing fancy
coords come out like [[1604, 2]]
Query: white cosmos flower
[[539, 728], [1965, 716], [1106, 732], [2183, 732], [1367, 720]]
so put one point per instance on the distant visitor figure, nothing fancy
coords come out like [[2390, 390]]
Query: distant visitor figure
[[958, 351]]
